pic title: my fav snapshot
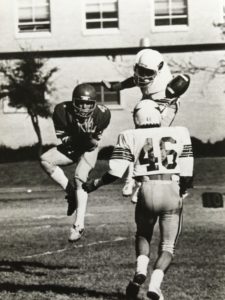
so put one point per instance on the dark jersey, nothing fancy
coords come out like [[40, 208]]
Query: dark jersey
[[76, 132]]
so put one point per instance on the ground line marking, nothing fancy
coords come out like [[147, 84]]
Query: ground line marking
[[118, 239]]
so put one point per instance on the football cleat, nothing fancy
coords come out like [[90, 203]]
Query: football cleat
[[155, 296], [72, 204], [139, 278], [128, 188], [75, 233], [132, 291]]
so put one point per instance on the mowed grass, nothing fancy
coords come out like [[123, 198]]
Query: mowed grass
[[37, 262]]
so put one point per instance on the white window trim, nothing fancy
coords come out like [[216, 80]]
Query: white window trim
[[99, 31], [167, 28], [30, 34]]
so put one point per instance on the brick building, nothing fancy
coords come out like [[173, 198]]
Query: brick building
[[91, 40]]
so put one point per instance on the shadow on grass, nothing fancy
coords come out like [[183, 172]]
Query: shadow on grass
[[59, 289], [20, 266]]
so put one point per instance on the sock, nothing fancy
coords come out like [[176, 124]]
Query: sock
[[59, 177], [129, 175], [69, 188], [142, 264], [156, 281], [82, 198]]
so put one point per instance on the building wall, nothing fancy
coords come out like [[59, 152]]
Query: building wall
[[202, 107], [135, 23]]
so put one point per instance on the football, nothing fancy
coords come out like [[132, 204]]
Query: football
[[177, 86]]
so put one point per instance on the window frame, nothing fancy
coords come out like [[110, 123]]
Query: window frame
[[104, 91], [166, 28], [31, 34], [99, 31]]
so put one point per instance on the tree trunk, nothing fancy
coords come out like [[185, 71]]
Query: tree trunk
[[35, 122]]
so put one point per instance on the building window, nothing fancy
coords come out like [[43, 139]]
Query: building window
[[171, 12], [101, 14], [105, 96], [33, 16]]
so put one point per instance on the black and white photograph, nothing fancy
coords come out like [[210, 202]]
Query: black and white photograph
[[112, 149]]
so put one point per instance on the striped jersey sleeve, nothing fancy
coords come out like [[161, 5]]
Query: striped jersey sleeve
[[186, 160], [187, 151], [121, 157]]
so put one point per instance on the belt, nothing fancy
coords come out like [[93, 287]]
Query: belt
[[168, 177]]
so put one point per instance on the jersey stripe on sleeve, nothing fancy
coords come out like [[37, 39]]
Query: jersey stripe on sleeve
[[187, 151], [121, 153]]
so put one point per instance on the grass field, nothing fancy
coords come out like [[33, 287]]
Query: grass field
[[37, 262]]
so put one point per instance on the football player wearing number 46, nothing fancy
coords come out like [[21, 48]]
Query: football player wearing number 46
[[163, 164], [155, 81], [79, 125]]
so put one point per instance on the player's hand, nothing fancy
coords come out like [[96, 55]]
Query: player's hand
[[67, 140], [106, 84], [90, 143], [90, 186]]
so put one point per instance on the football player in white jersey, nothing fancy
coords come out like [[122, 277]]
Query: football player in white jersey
[[163, 164], [153, 76]]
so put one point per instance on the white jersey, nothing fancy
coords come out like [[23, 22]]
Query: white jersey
[[161, 150], [156, 90]]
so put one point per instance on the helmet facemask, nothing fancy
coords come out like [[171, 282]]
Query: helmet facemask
[[83, 106], [143, 76]]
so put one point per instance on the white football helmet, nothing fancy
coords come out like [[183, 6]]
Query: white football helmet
[[148, 63], [147, 114]]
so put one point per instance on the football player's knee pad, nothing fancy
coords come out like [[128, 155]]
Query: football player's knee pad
[[47, 166], [78, 183], [81, 174], [168, 246]]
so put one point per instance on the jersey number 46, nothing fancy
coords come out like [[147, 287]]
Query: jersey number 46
[[153, 160]]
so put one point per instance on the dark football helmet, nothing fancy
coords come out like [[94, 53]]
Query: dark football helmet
[[84, 100]]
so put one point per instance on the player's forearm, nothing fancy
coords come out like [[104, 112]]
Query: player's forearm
[[125, 84], [105, 179], [94, 184], [186, 182]]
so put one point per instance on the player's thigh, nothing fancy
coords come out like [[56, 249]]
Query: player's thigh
[[170, 224], [145, 220], [85, 164], [158, 195], [54, 157]]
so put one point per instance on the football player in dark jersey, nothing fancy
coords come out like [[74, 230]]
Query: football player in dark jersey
[[79, 125]]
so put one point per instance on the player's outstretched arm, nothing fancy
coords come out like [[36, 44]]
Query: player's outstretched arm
[[111, 87], [93, 184], [117, 86]]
